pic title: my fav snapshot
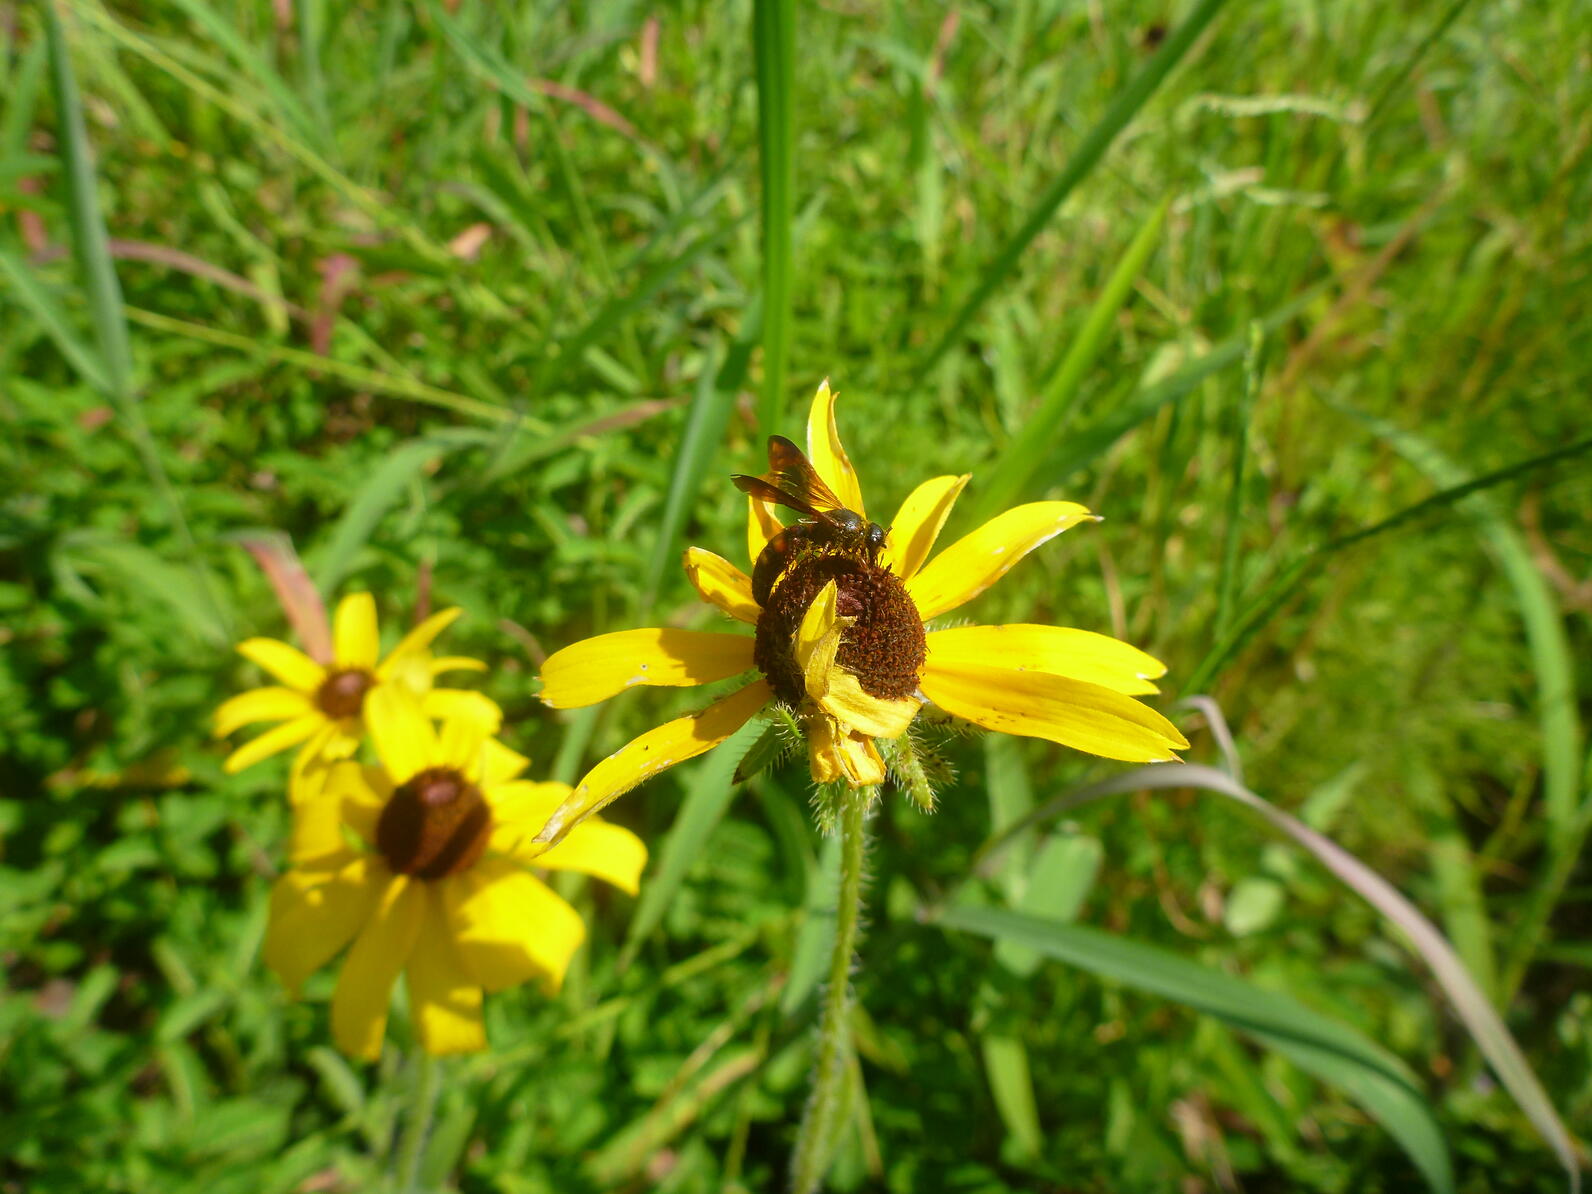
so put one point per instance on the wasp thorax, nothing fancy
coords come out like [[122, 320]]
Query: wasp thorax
[[342, 694], [883, 647], [434, 826]]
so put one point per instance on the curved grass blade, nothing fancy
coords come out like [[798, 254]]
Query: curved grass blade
[[1084, 159], [1024, 455], [774, 50], [1553, 663], [1332, 1051], [1470, 1004]]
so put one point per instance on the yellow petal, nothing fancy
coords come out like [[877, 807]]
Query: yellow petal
[[363, 799], [835, 754], [329, 743], [355, 641], [461, 743], [598, 668], [405, 741], [418, 639], [454, 663], [973, 563], [854, 709], [1058, 650], [314, 913], [818, 639], [509, 927], [1086, 717], [721, 583], [317, 829], [762, 524], [917, 524], [287, 664], [603, 850], [260, 704], [656, 750], [826, 451], [444, 998], [463, 704], [499, 764], [519, 810], [278, 738], [359, 1005], [350, 799]]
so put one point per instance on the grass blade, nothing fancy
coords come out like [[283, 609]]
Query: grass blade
[[224, 33], [774, 49], [372, 500], [708, 790], [1551, 659], [1024, 455], [704, 433], [1330, 1050], [1469, 1002], [91, 246], [89, 241], [1296, 573], [27, 290], [1228, 579], [1084, 159]]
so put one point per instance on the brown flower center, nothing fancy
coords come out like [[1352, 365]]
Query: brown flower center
[[342, 694], [883, 648], [434, 826]]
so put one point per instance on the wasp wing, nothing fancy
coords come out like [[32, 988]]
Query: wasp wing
[[790, 470]]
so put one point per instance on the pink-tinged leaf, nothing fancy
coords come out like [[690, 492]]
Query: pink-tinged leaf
[[295, 592]]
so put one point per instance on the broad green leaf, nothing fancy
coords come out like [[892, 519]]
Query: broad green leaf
[[1333, 1051]]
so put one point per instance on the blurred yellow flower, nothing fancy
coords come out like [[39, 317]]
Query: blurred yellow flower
[[420, 863], [322, 707], [841, 642]]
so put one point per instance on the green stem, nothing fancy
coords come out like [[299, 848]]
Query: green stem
[[417, 1126], [826, 1116]]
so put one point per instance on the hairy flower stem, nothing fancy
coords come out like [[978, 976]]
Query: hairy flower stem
[[825, 1121], [417, 1125]]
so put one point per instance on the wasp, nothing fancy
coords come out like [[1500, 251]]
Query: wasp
[[793, 482]]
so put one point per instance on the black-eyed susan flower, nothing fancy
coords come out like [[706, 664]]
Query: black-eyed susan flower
[[420, 863], [841, 641], [320, 707]]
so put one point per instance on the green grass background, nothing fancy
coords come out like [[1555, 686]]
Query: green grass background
[[485, 294]]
